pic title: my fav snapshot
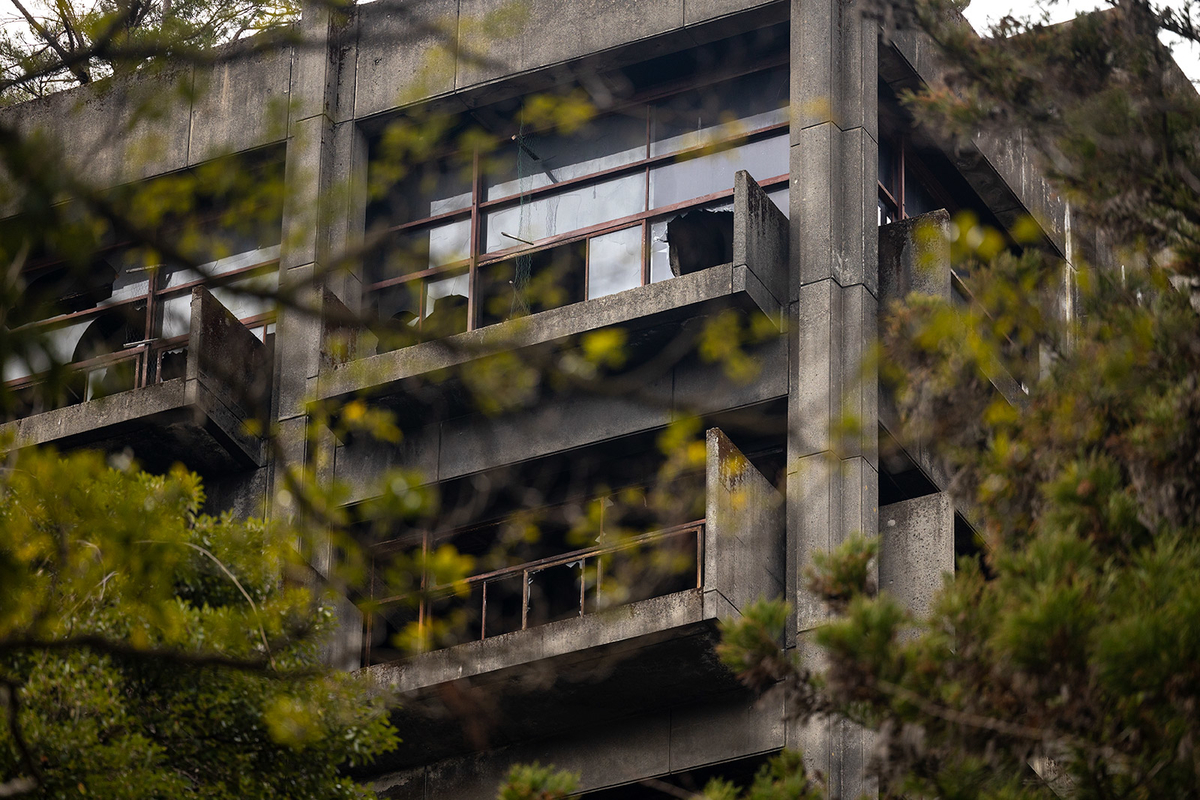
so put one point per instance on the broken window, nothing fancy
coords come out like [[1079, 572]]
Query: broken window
[[552, 218]]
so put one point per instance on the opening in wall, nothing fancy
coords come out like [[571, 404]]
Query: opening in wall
[[537, 217], [117, 314]]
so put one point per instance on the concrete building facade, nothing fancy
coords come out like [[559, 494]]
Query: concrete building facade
[[782, 117]]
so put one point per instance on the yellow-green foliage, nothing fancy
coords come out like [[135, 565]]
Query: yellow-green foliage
[[157, 652]]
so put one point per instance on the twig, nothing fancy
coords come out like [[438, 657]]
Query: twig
[[67, 61], [14, 726]]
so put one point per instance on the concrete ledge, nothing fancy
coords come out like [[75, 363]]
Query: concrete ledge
[[638, 308], [545, 680], [614, 627]]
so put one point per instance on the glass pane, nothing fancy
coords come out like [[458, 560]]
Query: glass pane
[[177, 315], [567, 211], [549, 158], [436, 187], [244, 306], [111, 379], [454, 619], [531, 283], [782, 199], [888, 161], [404, 254], [716, 112], [917, 198], [681, 181], [446, 305], [400, 303], [178, 276], [660, 252], [614, 262]]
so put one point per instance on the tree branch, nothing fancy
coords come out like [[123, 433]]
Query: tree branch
[[75, 68], [113, 647], [23, 784]]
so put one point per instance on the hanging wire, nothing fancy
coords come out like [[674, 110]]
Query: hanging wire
[[520, 305]]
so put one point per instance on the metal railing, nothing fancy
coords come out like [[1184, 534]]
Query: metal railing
[[474, 590]]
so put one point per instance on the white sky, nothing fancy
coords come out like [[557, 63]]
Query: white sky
[[981, 13]]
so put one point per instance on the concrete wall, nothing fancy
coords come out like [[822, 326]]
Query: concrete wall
[[131, 128], [627, 751], [917, 549], [819, 275], [744, 529]]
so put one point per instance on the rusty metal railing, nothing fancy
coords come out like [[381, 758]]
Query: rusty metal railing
[[474, 593]]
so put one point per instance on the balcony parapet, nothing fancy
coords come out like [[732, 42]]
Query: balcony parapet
[[203, 419]]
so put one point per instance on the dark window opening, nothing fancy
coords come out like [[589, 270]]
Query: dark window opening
[[550, 540]]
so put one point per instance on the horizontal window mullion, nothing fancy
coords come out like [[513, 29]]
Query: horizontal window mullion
[[449, 216], [453, 266], [617, 224], [218, 280], [649, 162], [78, 315]]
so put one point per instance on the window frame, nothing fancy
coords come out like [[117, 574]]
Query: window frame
[[478, 207]]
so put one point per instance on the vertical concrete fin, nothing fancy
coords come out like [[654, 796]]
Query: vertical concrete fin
[[225, 355], [760, 236], [744, 523], [916, 549], [914, 256], [343, 339]]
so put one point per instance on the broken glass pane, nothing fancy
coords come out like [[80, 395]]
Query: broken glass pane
[[614, 262], [582, 207], [532, 161], [679, 181]]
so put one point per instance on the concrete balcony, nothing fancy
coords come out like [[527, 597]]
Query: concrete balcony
[[534, 681], [199, 419], [756, 281]]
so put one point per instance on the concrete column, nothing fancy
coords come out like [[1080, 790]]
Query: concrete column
[[832, 488], [312, 211]]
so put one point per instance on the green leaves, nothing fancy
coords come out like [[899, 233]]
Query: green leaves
[[158, 652]]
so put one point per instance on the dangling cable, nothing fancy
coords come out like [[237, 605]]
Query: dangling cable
[[520, 305]]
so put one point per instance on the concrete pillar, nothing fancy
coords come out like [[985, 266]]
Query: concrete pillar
[[832, 488], [313, 226]]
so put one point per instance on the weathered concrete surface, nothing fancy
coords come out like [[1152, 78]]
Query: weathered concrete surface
[[719, 728], [744, 529], [463, 445], [917, 549], [611, 627], [832, 485], [405, 52], [1002, 170], [240, 103], [914, 256], [95, 130], [495, 40], [642, 307], [760, 236]]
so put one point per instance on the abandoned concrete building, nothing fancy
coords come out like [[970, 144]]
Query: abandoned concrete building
[[748, 156]]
